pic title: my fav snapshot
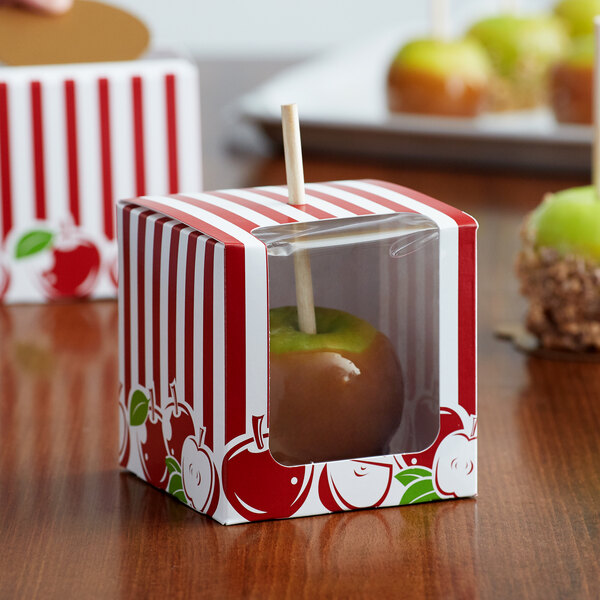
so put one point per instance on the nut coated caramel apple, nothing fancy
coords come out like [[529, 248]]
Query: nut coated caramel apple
[[334, 395], [439, 77], [578, 15]]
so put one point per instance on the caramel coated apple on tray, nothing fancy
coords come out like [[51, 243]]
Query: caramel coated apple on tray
[[335, 394], [559, 271], [439, 77]]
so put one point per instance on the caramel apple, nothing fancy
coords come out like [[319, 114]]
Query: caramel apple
[[334, 395], [559, 270], [522, 51], [439, 77], [572, 83]]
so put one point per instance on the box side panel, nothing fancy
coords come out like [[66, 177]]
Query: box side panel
[[71, 143], [167, 361]]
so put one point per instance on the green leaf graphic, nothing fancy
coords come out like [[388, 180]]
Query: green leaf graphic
[[172, 465], [138, 408], [176, 487], [409, 475], [419, 486], [33, 242]]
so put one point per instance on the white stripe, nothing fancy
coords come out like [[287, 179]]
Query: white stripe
[[148, 287], [180, 323], [21, 152], [198, 325], [448, 287], [133, 294], [219, 349], [332, 209], [55, 152], [237, 209], [161, 320], [121, 136], [187, 94], [369, 205], [257, 334], [199, 213], [90, 174], [155, 134], [282, 208]]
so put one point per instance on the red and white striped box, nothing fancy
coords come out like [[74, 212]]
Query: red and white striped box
[[73, 140], [194, 353]]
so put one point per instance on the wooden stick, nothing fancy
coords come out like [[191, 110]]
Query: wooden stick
[[439, 19], [295, 181], [596, 97], [511, 7]]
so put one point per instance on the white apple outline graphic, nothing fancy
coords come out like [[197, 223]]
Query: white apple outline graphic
[[359, 483], [197, 472], [454, 471], [123, 424]]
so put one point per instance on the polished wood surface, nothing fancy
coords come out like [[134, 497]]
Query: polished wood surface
[[73, 524]]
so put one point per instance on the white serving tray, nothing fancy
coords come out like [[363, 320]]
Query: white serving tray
[[342, 105]]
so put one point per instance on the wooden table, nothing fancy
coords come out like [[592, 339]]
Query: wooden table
[[72, 524]]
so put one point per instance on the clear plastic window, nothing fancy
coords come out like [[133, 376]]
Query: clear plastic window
[[367, 384]]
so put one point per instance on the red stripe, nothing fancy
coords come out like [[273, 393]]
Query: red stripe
[[235, 342], [459, 216], [6, 183], [157, 205], [138, 134], [72, 155], [141, 297], [188, 330], [219, 211], [307, 208], [391, 204], [172, 301], [207, 343], [105, 142], [171, 104], [467, 359], [38, 149], [257, 207], [353, 208], [126, 308], [156, 309]]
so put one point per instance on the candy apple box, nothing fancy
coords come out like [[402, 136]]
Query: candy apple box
[[229, 406], [73, 139]]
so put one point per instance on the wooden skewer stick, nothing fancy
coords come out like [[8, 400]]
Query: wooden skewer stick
[[596, 98], [295, 181], [439, 19], [511, 7]]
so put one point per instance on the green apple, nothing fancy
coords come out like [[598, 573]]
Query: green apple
[[578, 15], [463, 58], [510, 40], [522, 50], [569, 221], [333, 395]]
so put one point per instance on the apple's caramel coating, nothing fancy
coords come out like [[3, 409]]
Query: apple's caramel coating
[[571, 93], [412, 91], [334, 405]]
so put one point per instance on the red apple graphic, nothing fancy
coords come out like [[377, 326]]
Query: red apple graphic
[[454, 466], [76, 263], [449, 421], [258, 487], [352, 484], [4, 280], [152, 449], [177, 424], [199, 475], [124, 444]]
